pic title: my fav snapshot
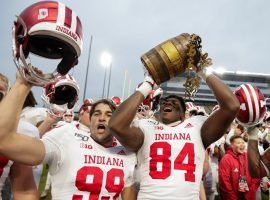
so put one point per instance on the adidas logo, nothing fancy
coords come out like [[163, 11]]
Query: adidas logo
[[122, 152], [236, 170], [189, 125]]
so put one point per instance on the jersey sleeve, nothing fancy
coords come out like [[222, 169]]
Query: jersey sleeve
[[130, 180], [143, 124], [54, 150], [131, 175], [135, 123], [199, 120], [28, 129]]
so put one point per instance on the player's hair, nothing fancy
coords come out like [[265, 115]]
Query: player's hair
[[239, 126], [234, 137], [104, 101], [4, 79], [30, 100], [180, 99]]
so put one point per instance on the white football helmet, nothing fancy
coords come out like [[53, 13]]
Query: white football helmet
[[61, 95], [86, 107], [48, 29]]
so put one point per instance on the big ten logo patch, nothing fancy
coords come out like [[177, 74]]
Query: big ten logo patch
[[86, 146], [159, 127]]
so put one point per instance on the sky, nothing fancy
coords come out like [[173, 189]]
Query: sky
[[235, 33]]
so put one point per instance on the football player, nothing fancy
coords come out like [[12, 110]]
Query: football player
[[21, 176], [171, 152], [81, 166]]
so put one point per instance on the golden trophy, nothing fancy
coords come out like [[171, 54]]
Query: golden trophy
[[175, 56]]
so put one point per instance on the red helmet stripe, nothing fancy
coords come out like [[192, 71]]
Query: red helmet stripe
[[68, 17], [79, 28], [249, 101], [256, 101], [252, 107]]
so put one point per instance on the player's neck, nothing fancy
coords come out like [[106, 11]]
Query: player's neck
[[173, 123], [108, 142]]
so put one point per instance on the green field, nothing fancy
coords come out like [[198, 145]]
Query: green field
[[43, 182]]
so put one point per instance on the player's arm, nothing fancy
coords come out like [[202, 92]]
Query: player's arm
[[218, 122], [23, 183], [129, 136], [47, 124], [206, 163], [15, 146], [202, 191], [258, 166], [129, 193]]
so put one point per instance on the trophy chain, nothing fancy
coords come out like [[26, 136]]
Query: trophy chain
[[193, 83]]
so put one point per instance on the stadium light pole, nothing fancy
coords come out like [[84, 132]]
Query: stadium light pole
[[102, 96], [106, 60], [87, 67], [124, 85], [109, 83]]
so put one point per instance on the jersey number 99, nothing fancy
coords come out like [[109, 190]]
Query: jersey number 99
[[114, 182]]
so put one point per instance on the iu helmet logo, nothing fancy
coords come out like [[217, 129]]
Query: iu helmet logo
[[252, 105], [43, 13]]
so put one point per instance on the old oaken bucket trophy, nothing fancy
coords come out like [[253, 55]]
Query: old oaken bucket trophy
[[175, 56]]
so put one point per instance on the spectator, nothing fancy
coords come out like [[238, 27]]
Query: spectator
[[234, 178]]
